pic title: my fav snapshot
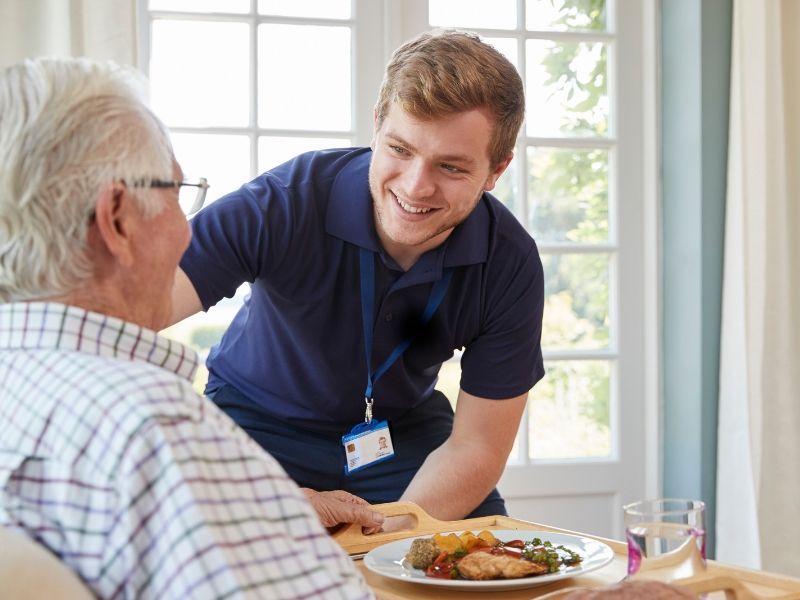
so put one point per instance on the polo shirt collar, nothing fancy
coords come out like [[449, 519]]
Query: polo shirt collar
[[350, 218], [349, 214]]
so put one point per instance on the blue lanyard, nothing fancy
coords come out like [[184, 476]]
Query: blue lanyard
[[368, 312]]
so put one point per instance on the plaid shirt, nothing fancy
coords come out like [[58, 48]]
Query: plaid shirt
[[142, 487]]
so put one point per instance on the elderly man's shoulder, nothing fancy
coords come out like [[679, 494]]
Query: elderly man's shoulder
[[85, 412], [131, 391], [109, 399], [120, 382]]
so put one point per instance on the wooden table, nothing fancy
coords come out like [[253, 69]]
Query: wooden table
[[719, 581]]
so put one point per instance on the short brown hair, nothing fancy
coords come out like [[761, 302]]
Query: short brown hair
[[443, 72]]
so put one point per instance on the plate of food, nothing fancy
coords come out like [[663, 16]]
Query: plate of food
[[488, 560]]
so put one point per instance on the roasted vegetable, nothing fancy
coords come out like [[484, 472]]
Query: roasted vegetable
[[422, 553]]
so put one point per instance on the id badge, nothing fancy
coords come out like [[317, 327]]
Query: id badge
[[367, 444]]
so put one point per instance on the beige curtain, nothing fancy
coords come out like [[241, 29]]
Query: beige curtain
[[758, 485], [102, 29]]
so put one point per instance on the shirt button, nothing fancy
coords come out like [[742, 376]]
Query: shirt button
[[388, 317]]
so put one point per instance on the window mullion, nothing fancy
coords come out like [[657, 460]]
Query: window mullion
[[253, 128]]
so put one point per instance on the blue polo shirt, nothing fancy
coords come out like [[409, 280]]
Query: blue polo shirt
[[296, 347]]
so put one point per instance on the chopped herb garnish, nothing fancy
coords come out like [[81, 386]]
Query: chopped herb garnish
[[546, 554]]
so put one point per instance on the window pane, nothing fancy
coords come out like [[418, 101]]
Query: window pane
[[569, 411], [321, 9], [273, 151], [566, 89], [320, 98], [202, 6], [506, 46], [211, 89], [222, 159], [563, 15], [450, 378], [498, 14], [576, 301], [568, 194]]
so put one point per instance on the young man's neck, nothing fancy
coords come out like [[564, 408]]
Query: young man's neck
[[406, 259], [405, 255]]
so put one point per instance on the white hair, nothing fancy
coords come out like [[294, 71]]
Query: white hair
[[68, 127]]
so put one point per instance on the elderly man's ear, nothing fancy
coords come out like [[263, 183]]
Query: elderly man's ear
[[116, 215]]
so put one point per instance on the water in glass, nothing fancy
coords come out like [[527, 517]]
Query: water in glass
[[666, 539]]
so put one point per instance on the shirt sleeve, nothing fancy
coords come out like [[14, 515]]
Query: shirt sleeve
[[237, 238], [204, 512], [505, 359]]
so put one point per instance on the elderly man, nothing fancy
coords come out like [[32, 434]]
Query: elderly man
[[107, 456]]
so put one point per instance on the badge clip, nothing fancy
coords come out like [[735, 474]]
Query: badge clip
[[368, 412]]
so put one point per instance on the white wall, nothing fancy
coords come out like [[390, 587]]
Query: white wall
[[103, 29]]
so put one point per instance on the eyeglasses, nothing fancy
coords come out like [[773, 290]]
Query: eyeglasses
[[189, 200]]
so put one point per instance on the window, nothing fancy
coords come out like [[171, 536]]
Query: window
[[243, 87]]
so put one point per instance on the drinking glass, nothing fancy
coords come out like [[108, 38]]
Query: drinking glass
[[666, 538]]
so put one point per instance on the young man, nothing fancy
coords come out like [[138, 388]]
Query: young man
[[368, 268], [107, 456]]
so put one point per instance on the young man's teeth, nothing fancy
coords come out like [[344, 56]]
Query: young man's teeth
[[411, 209]]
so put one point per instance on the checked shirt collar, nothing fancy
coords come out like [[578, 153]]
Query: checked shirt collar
[[52, 326]]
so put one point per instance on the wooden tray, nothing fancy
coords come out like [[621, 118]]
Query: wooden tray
[[719, 581]]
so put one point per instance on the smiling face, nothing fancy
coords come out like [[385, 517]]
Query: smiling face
[[426, 177]]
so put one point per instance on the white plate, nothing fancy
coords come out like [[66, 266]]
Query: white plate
[[389, 560]]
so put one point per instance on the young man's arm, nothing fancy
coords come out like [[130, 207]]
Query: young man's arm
[[185, 301], [460, 473]]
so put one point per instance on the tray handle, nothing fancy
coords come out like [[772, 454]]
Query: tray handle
[[353, 541]]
